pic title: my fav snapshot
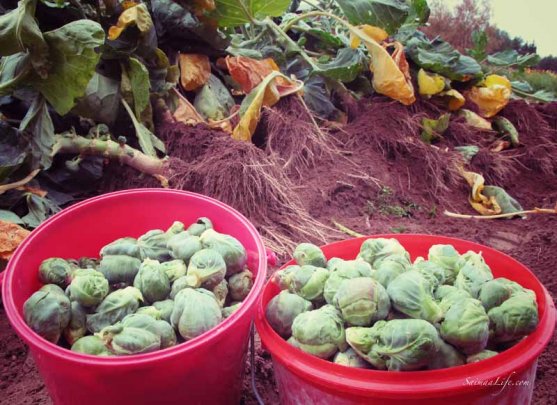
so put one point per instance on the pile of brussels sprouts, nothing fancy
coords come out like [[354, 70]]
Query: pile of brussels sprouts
[[381, 311], [143, 294]]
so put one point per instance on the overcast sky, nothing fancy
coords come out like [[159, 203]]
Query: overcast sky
[[533, 20]]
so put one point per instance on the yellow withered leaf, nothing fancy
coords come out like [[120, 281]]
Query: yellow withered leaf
[[195, 70], [430, 84], [378, 34], [11, 236], [137, 15], [493, 97]]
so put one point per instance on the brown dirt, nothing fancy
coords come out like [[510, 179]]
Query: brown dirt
[[385, 181]]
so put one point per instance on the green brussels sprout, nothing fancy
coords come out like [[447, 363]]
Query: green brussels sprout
[[149, 311], [397, 345], [119, 268], [176, 228], [47, 312], [320, 332], [90, 345], [240, 285], [308, 253], [390, 268], [152, 281], [208, 266], [471, 278], [87, 263], [362, 301], [306, 281], [182, 283], [221, 292], [159, 327], [411, 294], [77, 327], [434, 273], [466, 326], [283, 278], [484, 354], [152, 245], [55, 271], [174, 269], [350, 358], [343, 270], [195, 312], [228, 311], [282, 309], [334, 263], [199, 226], [473, 258], [114, 308], [447, 257], [230, 249], [375, 250], [88, 287], [514, 318], [451, 297], [183, 246], [443, 290], [446, 357], [122, 247], [122, 340], [165, 308], [494, 292]]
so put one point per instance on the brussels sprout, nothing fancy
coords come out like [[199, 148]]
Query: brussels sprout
[[308, 253], [152, 281], [283, 309], [397, 345], [165, 308], [88, 287], [230, 249], [375, 250], [240, 285], [228, 311], [152, 245], [183, 246], [443, 290], [129, 340], [293, 342], [447, 257], [362, 301], [451, 297], [176, 228], [174, 269], [343, 270], [484, 354], [411, 294], [434, 273], [350, 358], [195, 312], [390, 268], [114, 308], [221, 292], [334, 263], [514, 318], [77, 327], [122, 247], [90, 345], [306, 281], [182, 283], [208, 266], [160, 328], [447, 357], [283, 277], [473, 258], [55, 271], [320, 332], [47, 312], [466, 326], [199, 226], [149, 311], [471, 278], [87, 263], [494, 292], [119, 268]]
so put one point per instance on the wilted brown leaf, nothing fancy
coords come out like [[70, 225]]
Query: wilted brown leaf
[[186, 112], [195, 70], [137, 15], [248, 72], [11, 236]]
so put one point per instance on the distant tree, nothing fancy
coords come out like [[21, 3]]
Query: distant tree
[[548, 63]]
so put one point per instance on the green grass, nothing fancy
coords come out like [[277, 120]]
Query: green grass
[[386, 203]]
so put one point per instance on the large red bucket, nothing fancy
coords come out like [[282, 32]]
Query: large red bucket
[[507, 378], [206, 370]]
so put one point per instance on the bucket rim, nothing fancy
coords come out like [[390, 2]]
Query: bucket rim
[[409, 384], [37, 343]]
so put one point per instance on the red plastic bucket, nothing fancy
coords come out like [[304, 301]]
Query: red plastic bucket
[[206, 370], [507, 378]]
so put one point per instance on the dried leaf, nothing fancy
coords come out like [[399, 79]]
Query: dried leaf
[[489, 200], [493, 97], [248, 72], [430, 84], [34, 190], [378, 34], [454, 99], [11, 236], [195, 70], [474, 120], [186, 112], [201, 6], [137, 15]]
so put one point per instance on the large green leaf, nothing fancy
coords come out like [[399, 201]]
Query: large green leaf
[[14, 70], [386, 14], [345, 67], [12, 150], [39, 209], [73, 57], [135, 83], [19, 32], [213, 100], [101, 100], [38, 129], [232, 13], [510, 57]]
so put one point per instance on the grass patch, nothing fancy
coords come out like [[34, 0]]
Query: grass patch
[[387, 204]]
